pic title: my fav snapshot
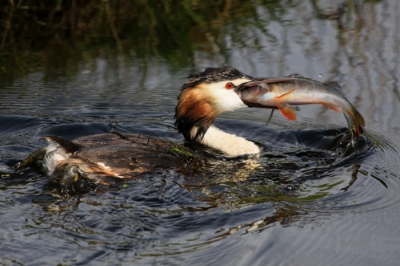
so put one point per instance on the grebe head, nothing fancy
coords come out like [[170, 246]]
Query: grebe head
[[206, 95]]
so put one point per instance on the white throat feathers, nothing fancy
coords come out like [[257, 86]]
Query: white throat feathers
[[229, 144]]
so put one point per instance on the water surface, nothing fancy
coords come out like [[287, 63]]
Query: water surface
[[301, 203]]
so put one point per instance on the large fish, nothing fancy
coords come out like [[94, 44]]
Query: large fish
[[286, 93]]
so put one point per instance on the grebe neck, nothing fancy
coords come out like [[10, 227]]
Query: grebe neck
[[229, 144]]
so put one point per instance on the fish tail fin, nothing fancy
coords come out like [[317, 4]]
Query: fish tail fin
[[357, 121], [359, 118]]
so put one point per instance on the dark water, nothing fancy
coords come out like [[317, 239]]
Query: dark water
[[301, 203]]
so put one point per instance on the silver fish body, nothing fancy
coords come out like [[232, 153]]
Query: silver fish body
[[287, 92]]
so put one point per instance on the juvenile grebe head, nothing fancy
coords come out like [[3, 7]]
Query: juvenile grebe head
[[205, 96]]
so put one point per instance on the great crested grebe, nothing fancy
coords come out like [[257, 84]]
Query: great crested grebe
[[100, 157]]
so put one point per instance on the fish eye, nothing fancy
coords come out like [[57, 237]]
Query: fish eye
[[229, 85]]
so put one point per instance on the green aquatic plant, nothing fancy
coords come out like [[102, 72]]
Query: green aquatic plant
[[182, 152]]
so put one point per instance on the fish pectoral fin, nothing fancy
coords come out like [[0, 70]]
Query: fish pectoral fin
[[288, 111], [331, 106], [285, 94]]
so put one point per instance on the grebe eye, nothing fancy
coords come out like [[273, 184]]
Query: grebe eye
[[229, 85]]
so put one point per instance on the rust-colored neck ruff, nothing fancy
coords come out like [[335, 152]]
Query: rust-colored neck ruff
[[194, 109]]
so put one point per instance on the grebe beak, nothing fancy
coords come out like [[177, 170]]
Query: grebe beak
[[250, 87]]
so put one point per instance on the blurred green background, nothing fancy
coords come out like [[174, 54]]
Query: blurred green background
[[35, 33]]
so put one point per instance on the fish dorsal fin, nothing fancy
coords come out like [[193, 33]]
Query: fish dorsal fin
[[288, 111], [67, 145], [335, 86], [295, 75]]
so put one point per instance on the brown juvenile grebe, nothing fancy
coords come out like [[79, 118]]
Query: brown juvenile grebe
[[100, 157]]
